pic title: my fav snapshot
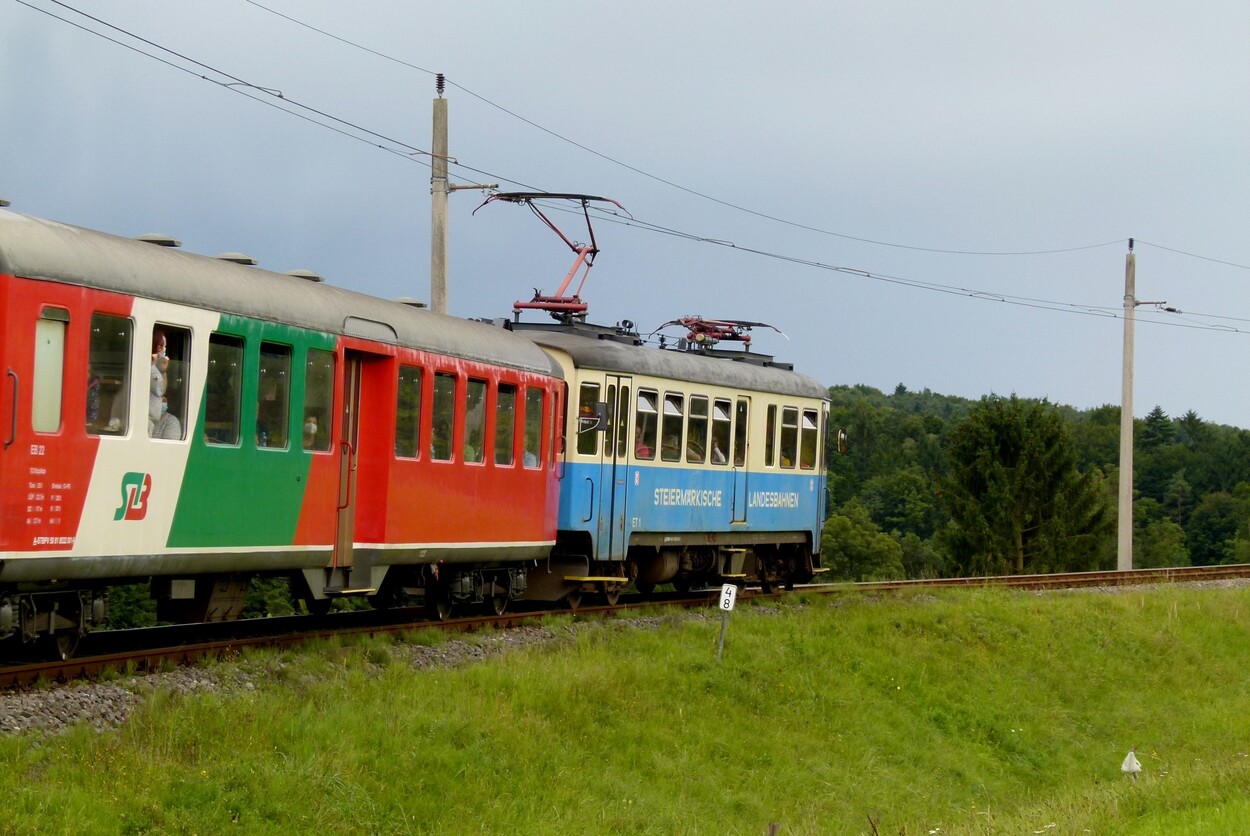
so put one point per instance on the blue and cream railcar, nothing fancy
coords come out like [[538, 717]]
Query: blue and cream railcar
[[686, 466]]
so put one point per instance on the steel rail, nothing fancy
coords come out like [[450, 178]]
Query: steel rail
[[285, 632]]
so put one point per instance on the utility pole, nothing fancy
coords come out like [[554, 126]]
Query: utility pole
[[440, 187], [1124, 542], [438, 214]]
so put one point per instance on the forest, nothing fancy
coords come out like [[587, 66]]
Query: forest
[[939, 486]]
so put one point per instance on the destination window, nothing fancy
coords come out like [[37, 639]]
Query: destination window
[[49, 377]]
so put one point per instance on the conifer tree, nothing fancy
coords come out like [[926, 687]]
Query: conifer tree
[[1015, 494]]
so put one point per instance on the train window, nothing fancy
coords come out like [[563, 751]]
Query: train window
[[646, 424], [696, 430], [167, 394], [789, 435], [671, 429], [444, 415], [505, 423], [533, 451], [475, 421], [45, 407], [720, 432], [408, 413], [610, 431], [807, 440], [273, 396], [108, 388], [533, 426], [770, 436], [555, 425], [587, 424], [221, 390], [740, 433], [318, 399], [622, 424], [822, 437]]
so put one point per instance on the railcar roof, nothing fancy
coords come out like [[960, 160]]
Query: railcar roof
[[40, 249], [610, 355]]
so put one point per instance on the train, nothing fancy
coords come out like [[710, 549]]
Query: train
[[196, 422]]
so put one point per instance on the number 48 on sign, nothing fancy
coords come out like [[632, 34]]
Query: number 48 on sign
[[728, 593]]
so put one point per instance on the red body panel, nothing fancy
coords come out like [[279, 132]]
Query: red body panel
[[419, 501], [45, 474]]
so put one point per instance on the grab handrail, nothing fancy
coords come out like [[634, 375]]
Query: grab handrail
[[13, 418]]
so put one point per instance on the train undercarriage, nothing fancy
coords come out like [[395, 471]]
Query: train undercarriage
[[51, 621]]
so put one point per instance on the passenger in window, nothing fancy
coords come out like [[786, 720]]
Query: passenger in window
[[529, 459], [718, 457], [93, 397], [159, 380], [168, 427], [641, 450], [310, 432]]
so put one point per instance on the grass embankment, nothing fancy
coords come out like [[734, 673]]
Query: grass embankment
[[966, 712]]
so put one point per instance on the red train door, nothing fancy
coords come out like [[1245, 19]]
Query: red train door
[[345, 529]]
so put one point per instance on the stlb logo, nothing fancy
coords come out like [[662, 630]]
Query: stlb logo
[[135, 490]]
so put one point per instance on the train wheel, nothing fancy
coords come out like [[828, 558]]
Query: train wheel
[[682, 585], [60, 646], [574, 600], [612, 592], [438, 601], [499, 603]]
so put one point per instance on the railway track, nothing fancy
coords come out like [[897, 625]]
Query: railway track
[[157, 648]]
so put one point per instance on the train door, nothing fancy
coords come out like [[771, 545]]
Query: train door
[[348, 450], [742, 412], [614, 493]]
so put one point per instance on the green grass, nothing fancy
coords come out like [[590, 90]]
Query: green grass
[[963, 712]]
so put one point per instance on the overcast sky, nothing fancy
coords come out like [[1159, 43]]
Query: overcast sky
[[982, 163]]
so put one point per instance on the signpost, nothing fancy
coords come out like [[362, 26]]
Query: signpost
[[728, 594]]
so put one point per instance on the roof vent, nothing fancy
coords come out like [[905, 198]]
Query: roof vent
[[237, 258], [410, 302], [307, 275], [158, 239]]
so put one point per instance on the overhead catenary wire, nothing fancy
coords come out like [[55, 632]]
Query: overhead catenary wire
[[272, 96], [673, 184], [275, 98]]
